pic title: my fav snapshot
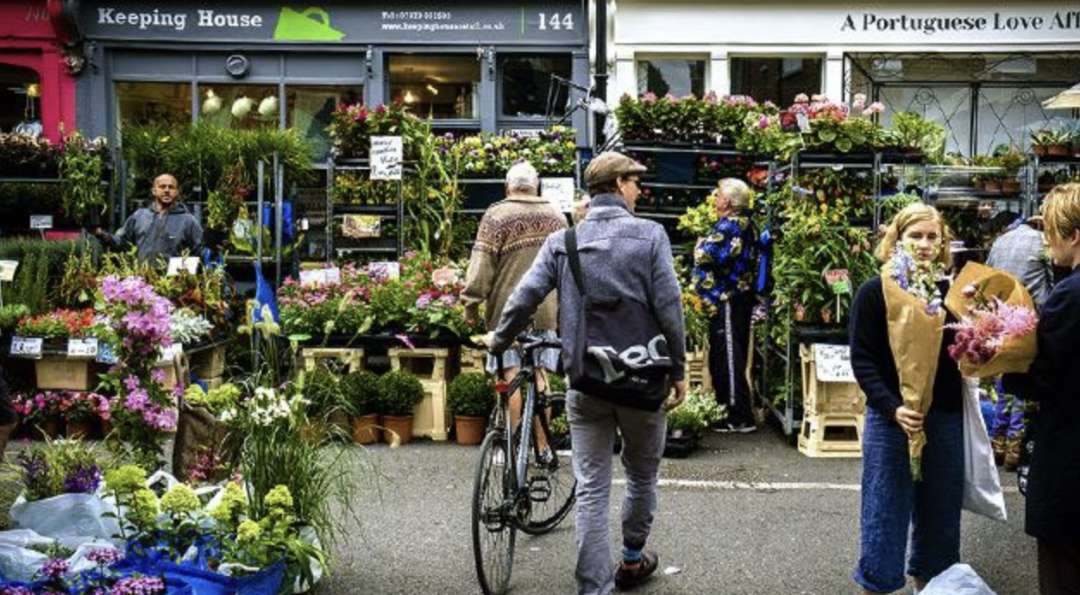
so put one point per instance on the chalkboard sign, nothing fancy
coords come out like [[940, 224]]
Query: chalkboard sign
[[833, 363], [386, 157]]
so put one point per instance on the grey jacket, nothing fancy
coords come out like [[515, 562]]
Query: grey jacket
[[621, 255], [160, 236], [1019, 252]]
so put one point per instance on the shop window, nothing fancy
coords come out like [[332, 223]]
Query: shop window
[[239, 106], [442, 87], [679, 77], [309, 110], [20, 99], [776, 78], [529, 89], [153, 103]]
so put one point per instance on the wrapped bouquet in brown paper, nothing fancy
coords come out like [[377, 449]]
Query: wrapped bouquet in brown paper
[[996, 332], [915, 321]]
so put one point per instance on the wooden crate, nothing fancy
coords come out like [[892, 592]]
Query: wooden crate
[[431, 418], [352, 357], [208, 363], [697, 368], [63, 373], [831, 435], [827, 398], [428, 365], [472, 361]]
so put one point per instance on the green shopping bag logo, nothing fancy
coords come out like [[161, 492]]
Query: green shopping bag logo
[[313, 24]]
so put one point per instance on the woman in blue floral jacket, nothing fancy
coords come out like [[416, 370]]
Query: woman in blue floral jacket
[[724, 265]]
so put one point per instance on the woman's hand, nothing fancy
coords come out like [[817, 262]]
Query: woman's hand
[[910, 421]]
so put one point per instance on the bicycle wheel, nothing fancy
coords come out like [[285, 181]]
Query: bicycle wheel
[[551, 485], [494, 531]]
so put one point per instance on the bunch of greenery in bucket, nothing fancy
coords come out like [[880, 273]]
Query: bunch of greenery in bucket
[[470, 397], [698, 411], [136, 324], [399, 393], [82, 171], [268, 418]]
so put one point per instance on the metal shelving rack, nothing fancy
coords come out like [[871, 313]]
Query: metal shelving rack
[[396, 212]]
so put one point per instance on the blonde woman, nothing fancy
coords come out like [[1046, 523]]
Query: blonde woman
[[894, 506]]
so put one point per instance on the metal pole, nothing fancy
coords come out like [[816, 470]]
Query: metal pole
[[259, 209], [279, 216], [601, 76]]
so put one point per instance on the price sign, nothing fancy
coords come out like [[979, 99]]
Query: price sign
[[833, 363], [803, 121], [7, 269], [169, 353], [181, 263], [333, 276], [41, 222], [330, 276], [105, 354], [839, 281], [385, 270], [559, 192], [82, 348], [386, 156], [26, 347]]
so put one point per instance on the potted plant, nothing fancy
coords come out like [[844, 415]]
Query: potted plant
[[1011, 162], [470, 398], [360, 399], [39, 411], [82, 171], [1041, 140], [399, 393], [915, 134], [686, 422], [80, 410], [320, 389]]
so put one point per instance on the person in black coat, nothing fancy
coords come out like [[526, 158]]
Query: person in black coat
[[1053, 498], [895, 509]]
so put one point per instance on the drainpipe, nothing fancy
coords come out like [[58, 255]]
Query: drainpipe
[[601, 76]]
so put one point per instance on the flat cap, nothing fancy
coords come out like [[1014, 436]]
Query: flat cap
[[610, 165]]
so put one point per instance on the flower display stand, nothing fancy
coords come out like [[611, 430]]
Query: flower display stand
[[472, 361], [697, 368], [834, 411], [431, 418], [64, 373], [208, 363], [351, 357]]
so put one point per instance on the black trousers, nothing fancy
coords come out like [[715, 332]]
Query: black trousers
[[1059, 567], [729, 346]]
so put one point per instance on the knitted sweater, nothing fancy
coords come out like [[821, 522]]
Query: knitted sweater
[[511, 234]]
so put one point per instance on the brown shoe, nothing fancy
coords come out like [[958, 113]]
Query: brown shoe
[[1012, 453], [629, 576], [998, 446]]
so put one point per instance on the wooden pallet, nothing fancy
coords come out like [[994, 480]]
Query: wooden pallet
[[351, 357]]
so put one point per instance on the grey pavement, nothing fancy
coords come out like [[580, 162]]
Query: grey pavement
[[796, 535]]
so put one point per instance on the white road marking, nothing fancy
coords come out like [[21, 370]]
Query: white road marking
[[766, 486]]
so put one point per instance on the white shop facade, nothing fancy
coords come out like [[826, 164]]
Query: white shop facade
[[981, 69]]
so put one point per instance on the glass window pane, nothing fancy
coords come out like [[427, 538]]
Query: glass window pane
[[776, 78], [309, 109], [443, 87], [146, 103], [527, 89], [239, 106], [1008, 115], [20, 97], [678, 77], [948, 105]]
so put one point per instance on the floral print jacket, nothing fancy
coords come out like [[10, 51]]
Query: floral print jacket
[[725, 261]]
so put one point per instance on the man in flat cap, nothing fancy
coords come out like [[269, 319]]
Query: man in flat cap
[[623, 258]]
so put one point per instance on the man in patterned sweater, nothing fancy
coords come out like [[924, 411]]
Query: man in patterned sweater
[[724, 265], [511, 234]]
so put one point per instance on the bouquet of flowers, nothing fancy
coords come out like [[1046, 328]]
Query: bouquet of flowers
[[915, 321], [995, 334]]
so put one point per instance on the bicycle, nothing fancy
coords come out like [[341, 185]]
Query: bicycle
[[515, 487]]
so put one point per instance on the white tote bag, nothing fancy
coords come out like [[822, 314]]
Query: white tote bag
[[982, 486]]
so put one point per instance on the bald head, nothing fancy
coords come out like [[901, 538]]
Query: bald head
[[166, 190]]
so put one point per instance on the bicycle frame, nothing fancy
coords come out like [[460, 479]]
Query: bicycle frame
[[519, 452]]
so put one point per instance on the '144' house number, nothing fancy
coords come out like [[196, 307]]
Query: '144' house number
[[557, 22]]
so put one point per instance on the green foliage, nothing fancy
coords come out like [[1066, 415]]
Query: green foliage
[[912, 131], [471, 394], [696, 412], [894, 204], [556, 384], [10, 315], [46, 468], [320, 388], [360, 393], [40, 263], [399, 393], [82, 171]]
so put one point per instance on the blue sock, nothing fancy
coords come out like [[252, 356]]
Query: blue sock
[[630, 556]]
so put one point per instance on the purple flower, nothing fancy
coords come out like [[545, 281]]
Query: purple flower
[[138, 585], [105, 556], [54, 568], [82, 480], [15, 590], [423, 302], [131, 382]]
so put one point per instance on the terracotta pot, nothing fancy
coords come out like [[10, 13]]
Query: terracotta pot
[[992, 187], [1057, 150], [79, 430], [397, 424], [1010, 187], [469, 430], [1038, 149], [314, 432], [364, 430], [106, 428]]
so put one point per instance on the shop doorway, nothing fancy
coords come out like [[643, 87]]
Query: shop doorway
[[20, 100], [984, 100]]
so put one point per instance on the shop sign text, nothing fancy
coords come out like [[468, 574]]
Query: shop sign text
[[930, 25], [205, 18]]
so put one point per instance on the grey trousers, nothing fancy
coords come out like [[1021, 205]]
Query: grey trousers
[[592, 430]]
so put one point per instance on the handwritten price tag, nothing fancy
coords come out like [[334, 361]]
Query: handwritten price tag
[[7, 269], [387, 153], [82, 348], [26, 347]]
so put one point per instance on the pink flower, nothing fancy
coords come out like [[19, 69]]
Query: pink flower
[[444, 277]]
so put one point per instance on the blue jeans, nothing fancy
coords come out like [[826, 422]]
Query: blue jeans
[[892, 504]]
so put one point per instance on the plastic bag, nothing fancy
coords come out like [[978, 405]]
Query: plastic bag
[[958, 579], [982, 486], [20, 563], [67, 515]]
